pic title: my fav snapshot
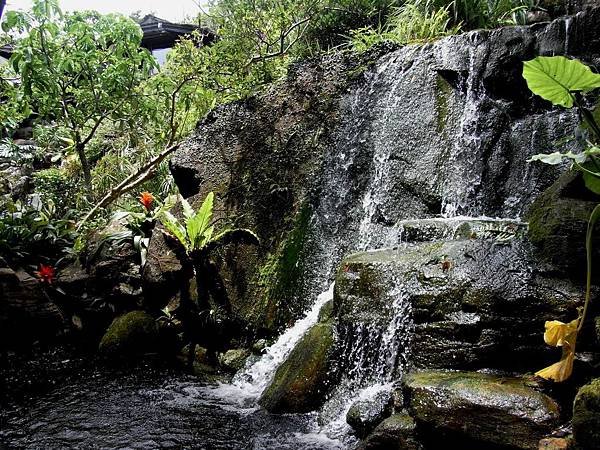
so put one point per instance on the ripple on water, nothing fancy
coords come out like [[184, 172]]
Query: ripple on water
[[157, 411]]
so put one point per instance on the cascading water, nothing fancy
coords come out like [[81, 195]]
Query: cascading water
[[256, 376]]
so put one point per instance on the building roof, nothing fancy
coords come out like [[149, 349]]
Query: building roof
[[6, 51], [160, 33]]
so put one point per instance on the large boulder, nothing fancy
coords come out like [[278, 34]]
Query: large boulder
[[468, 304], [488, 409], [586, 417], [303, 380], [133, 333]]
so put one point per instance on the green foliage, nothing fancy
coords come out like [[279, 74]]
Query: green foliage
[[474, 14], [55, 186], [196, 233], [417, 21], [78, 68], [31, 231], [339, 18], [556, 78], [428, 20], [561, 80]]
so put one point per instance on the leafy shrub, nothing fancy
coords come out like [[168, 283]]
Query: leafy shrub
[[415, 21], [341, 17], [55, 186], [32, 232], [427, 20]]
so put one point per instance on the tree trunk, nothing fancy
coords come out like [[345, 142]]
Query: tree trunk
[[85, 166]]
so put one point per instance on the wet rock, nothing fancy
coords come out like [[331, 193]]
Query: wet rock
[[586, 417], [397, 432], [467, 303], [134, 333], [161, 275], [259, 346], [235, 359], [326, 312], [302, 381], [365, 414], [27, 313], [485, 408], [410, 132]]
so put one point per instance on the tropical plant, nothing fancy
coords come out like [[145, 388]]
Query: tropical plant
[[80, 68], [31, 231], [563, 81], [196, 240], [426, 20], [418, 21]]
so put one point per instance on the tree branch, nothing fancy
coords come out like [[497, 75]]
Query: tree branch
[[143, 174]]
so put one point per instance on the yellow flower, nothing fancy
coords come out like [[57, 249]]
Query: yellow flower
[[559, 334]]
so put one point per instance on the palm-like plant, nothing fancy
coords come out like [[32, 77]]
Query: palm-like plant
[[196, 240]]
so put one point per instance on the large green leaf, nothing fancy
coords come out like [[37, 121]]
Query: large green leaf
[[188, 211], [198, 224], [554, 78], [174, 227]]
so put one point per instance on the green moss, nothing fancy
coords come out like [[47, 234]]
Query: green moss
[[279, 277], [133, 333], [301, 382], [586, 416], [442, 93]]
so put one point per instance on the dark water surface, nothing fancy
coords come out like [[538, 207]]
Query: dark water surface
[[150, 408]]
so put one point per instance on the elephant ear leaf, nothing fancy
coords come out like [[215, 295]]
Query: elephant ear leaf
[[199, 222], [554, 78]]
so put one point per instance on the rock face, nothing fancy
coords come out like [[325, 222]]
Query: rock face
[[558, 222], [586, 417], [471, 303], [301, 382], [133, 333], [488, 409], [329, 160]]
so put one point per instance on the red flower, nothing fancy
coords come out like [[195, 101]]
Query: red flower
[[46, 274], [146, 199]]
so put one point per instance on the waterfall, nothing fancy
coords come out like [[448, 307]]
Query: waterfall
[[419, 139], [257, 375]]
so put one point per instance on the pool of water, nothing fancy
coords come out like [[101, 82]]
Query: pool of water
[[143, 408]]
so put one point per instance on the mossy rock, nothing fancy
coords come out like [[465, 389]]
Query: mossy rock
[[558, 222], [134, 333], [586, 417], [397, 432], [302, 381], [484, 408]]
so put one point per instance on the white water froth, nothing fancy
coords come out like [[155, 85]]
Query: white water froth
[[249, 383]]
